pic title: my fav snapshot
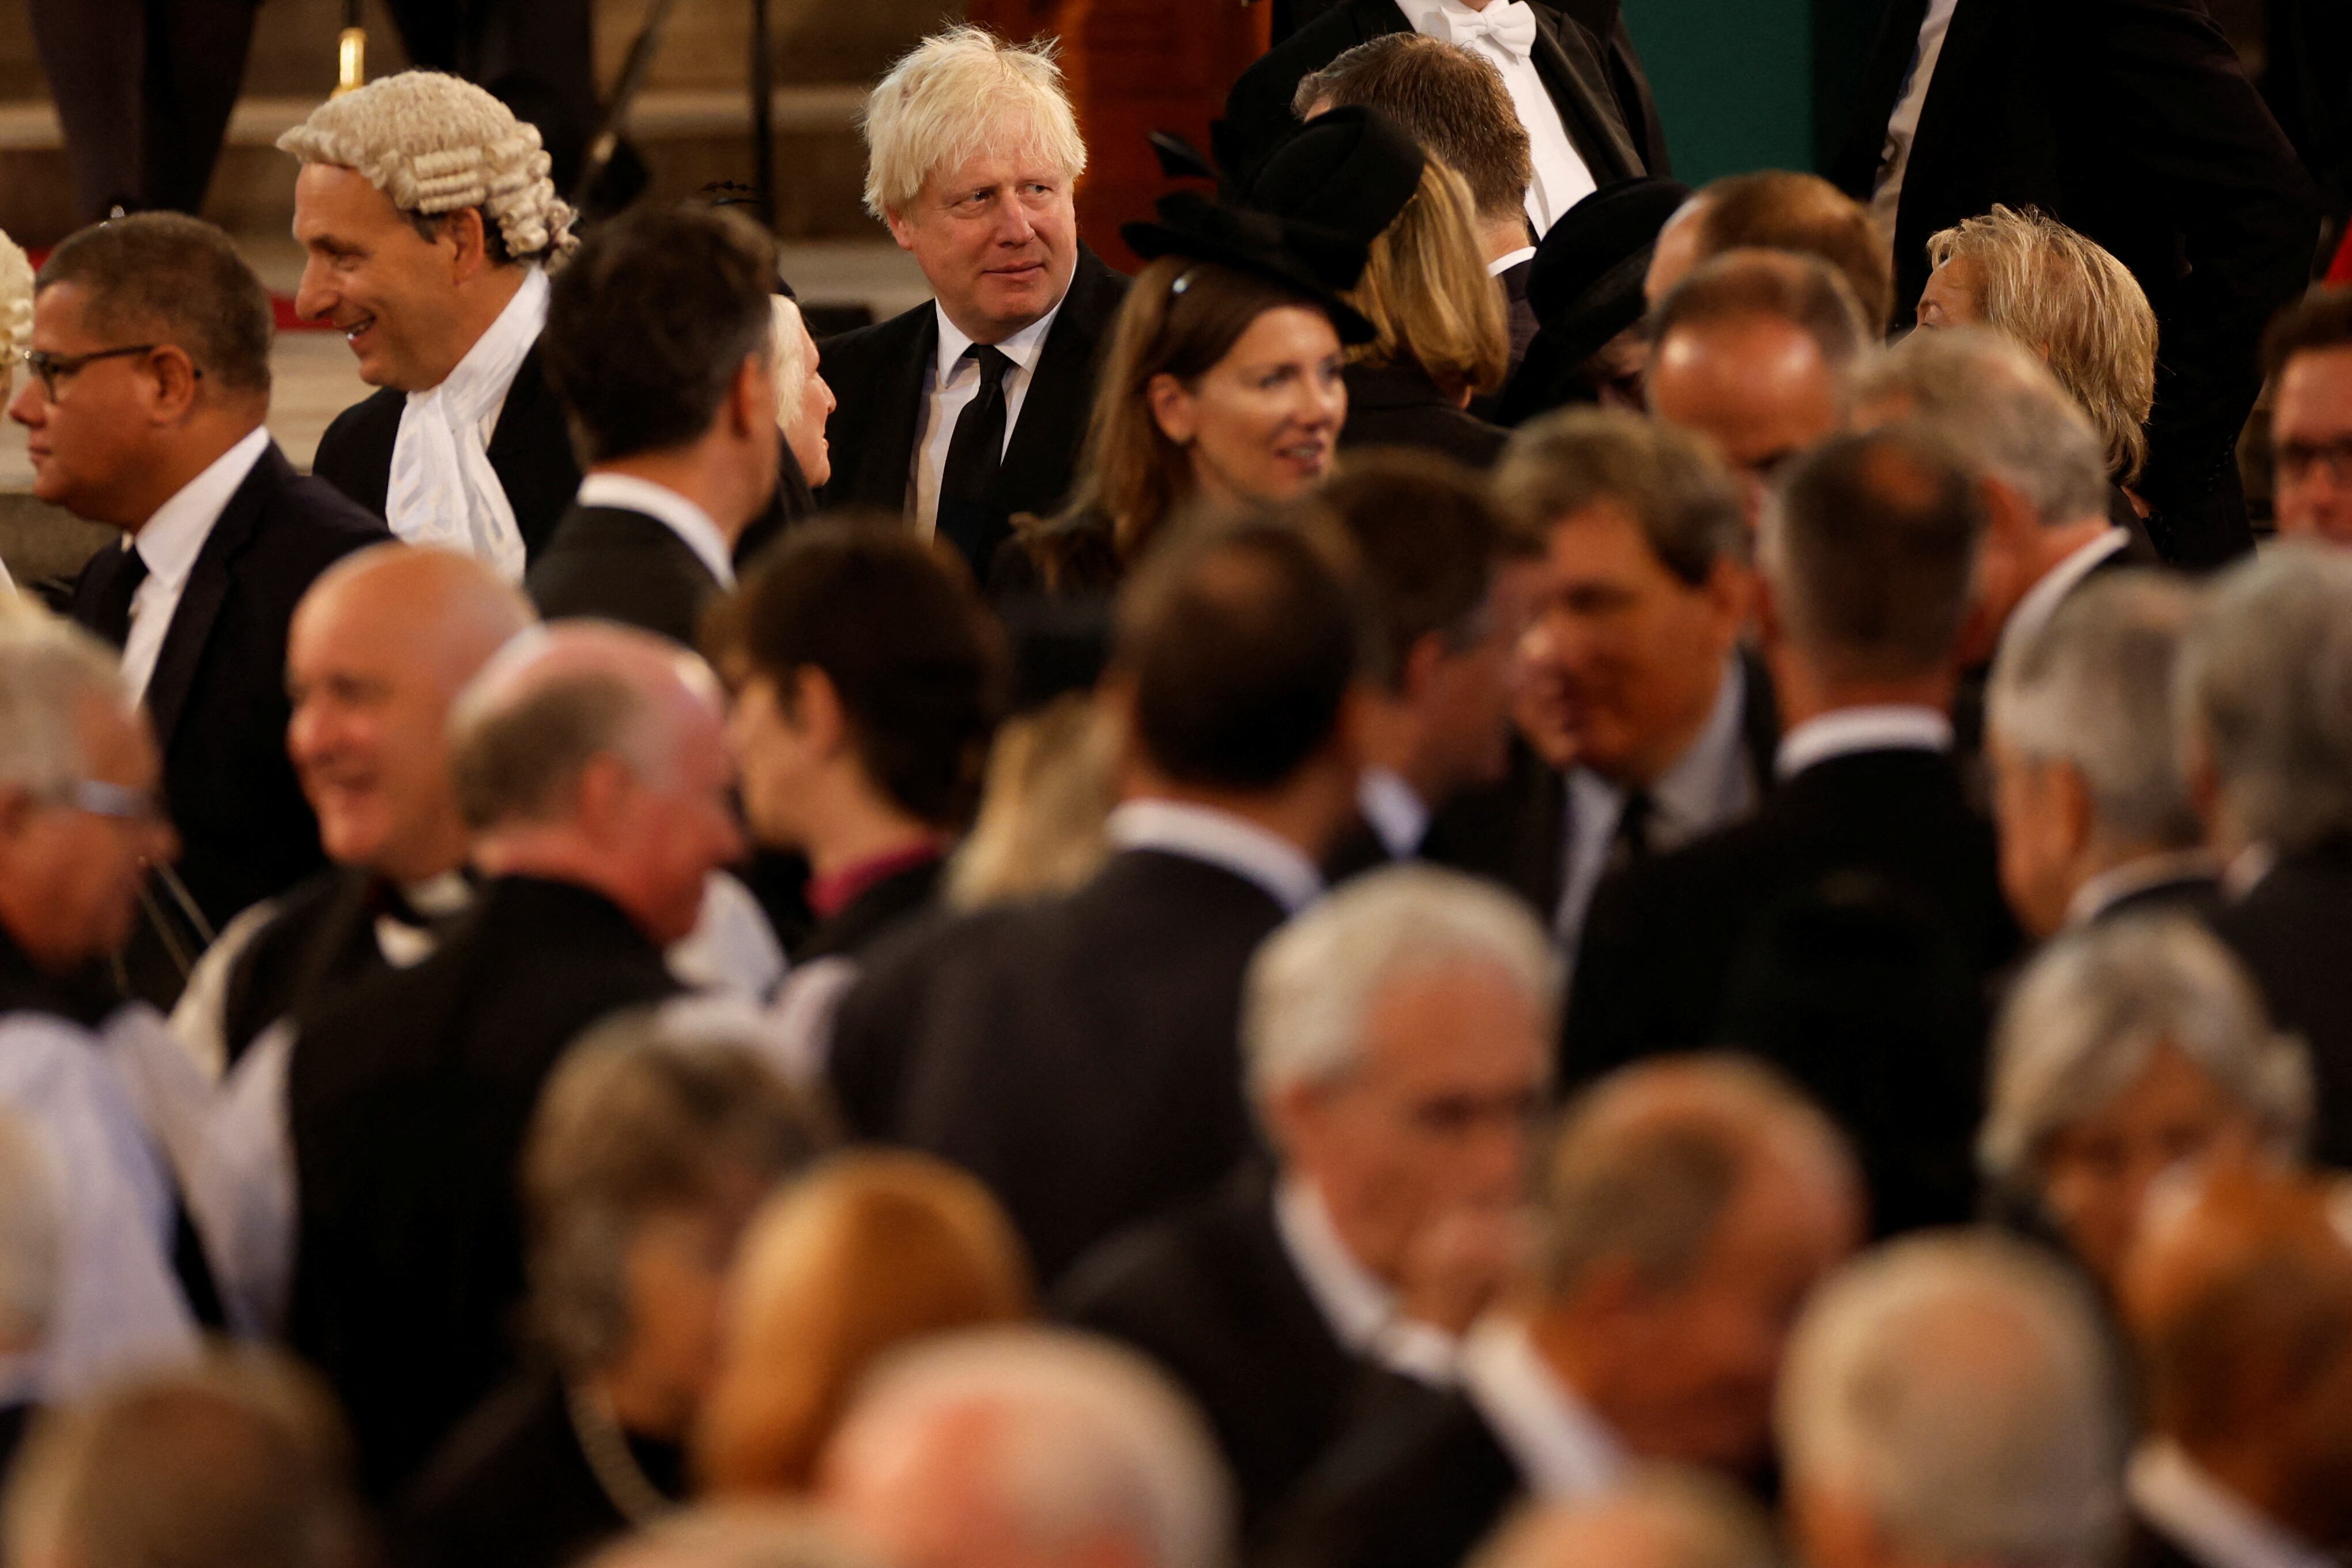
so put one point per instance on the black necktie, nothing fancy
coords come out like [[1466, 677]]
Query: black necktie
[[974, 452], [110, 612], [1630, 845]]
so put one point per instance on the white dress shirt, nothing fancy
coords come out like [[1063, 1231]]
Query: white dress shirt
[[170, 541], [1561, 179], [1221, 839], [1561, 1449], [1887, 727], [955, 382], [442, 489], [120, 1309], [2042, 601], [2171, 1492], [672, 511], [1707, 787], [1361, 1311], [1903, 125], [1503, 263], [1399, 817]]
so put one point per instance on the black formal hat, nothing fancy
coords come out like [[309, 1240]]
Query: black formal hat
[[1351, 169], [1315, 262], [1585, 286]]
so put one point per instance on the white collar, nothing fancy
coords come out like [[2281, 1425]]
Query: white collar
[[488, 370], [666, 506], [1560, 1446], [1363, 1312], [2216, 1527], [1397, 814], [1221, 839], [1022, 348], [2042, 601], [2247, 869], [2120, 882], [1877, 726], [173, 536], [1503, 263]]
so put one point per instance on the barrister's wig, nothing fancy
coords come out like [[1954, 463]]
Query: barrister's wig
[[434, 144], [16, 303], [957, 93]]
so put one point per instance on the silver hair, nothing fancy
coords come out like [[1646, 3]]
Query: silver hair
[[948, 98], [2097, 1004], [434, 144], [793, 357], [2003, 414], [1698, 1518], [2091, 687], [48, 669], [1089, 1439], [2264, 689], [30, 1239], [1647, 1160], [1313, 985], [1957, 1388], [737, 1535]]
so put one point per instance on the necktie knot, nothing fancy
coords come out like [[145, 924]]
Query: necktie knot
[[1508, 26], [993, 362], [109, 616]]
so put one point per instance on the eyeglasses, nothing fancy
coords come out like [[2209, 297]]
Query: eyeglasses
[[118, 803], [54, 368], [2297, 459]]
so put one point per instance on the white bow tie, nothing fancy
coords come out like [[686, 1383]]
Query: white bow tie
[[1506, 24]]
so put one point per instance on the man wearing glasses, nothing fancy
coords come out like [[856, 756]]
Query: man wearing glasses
[[2309, 359], [150, 380], [78, 823]]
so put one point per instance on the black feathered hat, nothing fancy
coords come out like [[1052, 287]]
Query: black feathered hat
[[1315, 262], [1350, 169], [1585, 285]]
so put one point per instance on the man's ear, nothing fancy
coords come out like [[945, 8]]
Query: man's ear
[[462, 231], [176, 379], [2070, 798], [901, 229], [752, 396], [817, 711], [1422, 661], [601, 798], [1731, 598]]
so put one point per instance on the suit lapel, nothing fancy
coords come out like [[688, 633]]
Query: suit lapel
[[884, 468], [207, 587], [1579, 85], [519, 418], [1036, 468]]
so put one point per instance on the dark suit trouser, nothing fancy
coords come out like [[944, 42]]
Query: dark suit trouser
[[534, 56], [143, 89]]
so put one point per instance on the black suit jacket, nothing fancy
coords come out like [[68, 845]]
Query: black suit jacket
[[218, 693], [625, 566], [531, 450], [1395, 406], [881, 376], [868, 918], [1418, 1482], [1080, 1054], [1603, 100], [408, 1098], [1847, 932], [2293, 928], [1515, 831], [2132, 122], [1210, 1294]]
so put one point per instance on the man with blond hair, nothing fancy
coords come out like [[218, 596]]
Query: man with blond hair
[[427, 223], [964, 411]]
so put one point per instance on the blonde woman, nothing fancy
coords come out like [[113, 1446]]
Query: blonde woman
[[2033, 280]]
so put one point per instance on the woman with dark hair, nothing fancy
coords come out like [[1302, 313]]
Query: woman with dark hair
[[1222, 388]]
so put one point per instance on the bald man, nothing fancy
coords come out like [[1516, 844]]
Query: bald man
[[1775, 209], [2240, 1298], [589, 772]]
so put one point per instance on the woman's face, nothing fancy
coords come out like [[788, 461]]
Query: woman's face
[[2097, 1170], [1950, 298], [802, 411], [1261, 423]]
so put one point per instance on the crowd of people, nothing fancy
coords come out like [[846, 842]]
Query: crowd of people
[[1461, 878]]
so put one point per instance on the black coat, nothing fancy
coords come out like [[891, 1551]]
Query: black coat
[[1396, 406], [1848, 932], [881, 377], [1211, 1295], [622, 565], [218, 693], [408, 1100], [321, 937], [866, 919], [531, 450], [1077, 1054], [512, 1488], [1418, 1482], [1603, 99], [1515, 831], [2293, 928], [2132, 122]]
